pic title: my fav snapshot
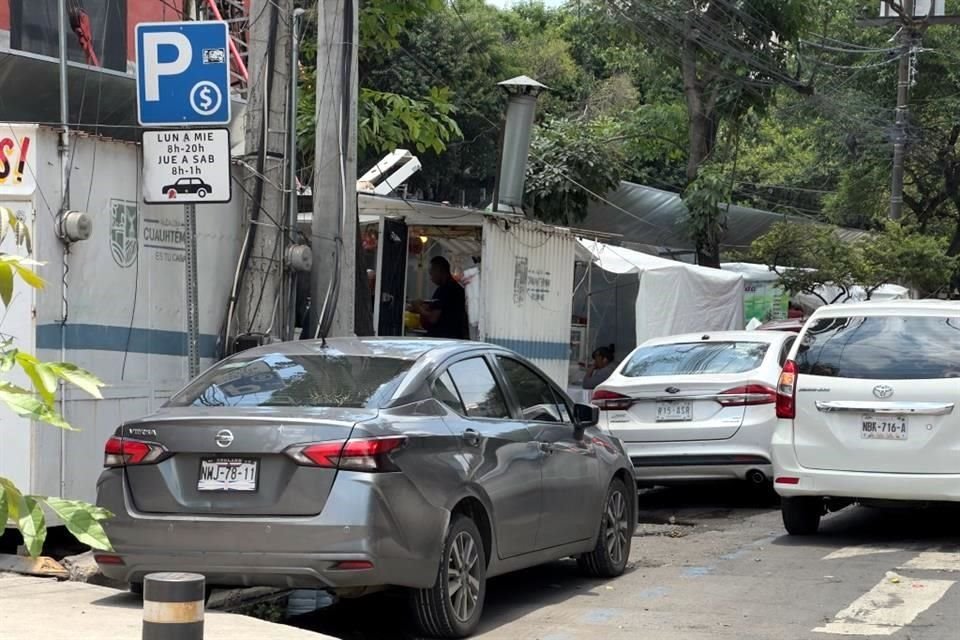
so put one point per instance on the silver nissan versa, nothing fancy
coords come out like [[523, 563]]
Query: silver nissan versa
[[424, 464]]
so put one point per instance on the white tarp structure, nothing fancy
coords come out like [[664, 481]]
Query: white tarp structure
[[674, 297]]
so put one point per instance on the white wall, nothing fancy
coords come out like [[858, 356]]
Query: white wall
[[125, 301]]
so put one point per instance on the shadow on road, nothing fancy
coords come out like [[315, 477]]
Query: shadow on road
[[386, 616], [904, 527], [717, 504]]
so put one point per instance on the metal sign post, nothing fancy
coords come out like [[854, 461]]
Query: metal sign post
[[193, 304], [183, 79]]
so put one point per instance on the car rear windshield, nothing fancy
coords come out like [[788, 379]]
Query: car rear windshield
[[692, 358], [281, 380], [882, 348]]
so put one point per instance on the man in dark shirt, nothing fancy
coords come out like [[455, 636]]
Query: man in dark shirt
[[446, 315]]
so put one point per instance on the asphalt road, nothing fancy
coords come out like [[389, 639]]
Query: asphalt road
[[715, 563]]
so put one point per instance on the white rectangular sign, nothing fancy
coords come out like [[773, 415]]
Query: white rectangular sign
[[184, 166]]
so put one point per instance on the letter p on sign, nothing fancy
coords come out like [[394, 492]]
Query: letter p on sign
[[154, 68]]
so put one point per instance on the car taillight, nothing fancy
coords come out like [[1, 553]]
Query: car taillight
[[120, 452], [610, 401], [748, 396], [366, 454], [787, 391]]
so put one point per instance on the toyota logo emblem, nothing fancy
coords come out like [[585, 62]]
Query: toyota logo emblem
[[883, 391], [224, 438], [672, 390]]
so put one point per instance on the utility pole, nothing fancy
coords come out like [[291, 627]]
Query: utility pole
[[258, 313], [907, 38], [334, 224]]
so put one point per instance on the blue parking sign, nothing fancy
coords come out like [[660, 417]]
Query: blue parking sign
[[183, 73]]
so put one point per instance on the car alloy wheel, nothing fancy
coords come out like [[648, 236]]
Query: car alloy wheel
[[614, 536], [616, 526], [463, 576]]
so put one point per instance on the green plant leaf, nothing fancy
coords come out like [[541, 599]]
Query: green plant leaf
[[29, 275], [25, 404], [12, 497], [33, 525], [78, 377], [83, 521], [41, 375], [6, 284]]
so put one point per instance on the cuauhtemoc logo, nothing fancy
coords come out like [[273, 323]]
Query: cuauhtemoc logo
[[124, 242]]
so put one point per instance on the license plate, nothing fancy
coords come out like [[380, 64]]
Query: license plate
[[884, 428], [228, 474], [679, 411]]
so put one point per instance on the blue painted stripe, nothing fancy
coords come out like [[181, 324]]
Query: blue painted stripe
[[95, 337], [533, 349]]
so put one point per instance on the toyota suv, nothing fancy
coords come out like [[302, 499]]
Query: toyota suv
[[866, 407]]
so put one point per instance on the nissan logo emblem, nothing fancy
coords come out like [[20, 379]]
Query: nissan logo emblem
[[224, 438], [883, 391]]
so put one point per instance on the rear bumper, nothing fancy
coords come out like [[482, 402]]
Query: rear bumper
[[859, 484], [668, 462], [357, 523]]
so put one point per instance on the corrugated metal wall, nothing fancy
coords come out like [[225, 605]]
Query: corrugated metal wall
[[527, 289]]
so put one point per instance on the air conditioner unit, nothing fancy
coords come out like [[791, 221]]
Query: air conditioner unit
[[921, 8]]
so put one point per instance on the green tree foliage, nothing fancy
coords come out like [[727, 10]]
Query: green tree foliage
[[37, 401], [571, 163], [808, 257], [422, 119]]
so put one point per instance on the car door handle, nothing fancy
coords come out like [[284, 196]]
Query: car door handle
[[472, 437]]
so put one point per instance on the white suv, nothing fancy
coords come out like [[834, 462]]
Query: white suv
[[867, 409]]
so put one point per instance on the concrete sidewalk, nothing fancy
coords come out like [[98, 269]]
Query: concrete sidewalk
[[42, 608]]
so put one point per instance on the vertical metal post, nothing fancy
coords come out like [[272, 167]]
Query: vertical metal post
[[903, 94], [193, 305], [173, 606], [289, 292], [65, 160]]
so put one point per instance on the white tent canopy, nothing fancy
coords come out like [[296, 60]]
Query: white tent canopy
[[674, 297]]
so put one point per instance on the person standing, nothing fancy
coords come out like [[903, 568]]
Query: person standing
[[446, 315]]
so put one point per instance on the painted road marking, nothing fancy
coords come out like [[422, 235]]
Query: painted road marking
[[861, 550], [888, 607], [934, 561]]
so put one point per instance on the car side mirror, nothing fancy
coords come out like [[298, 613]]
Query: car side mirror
[[586, 415]]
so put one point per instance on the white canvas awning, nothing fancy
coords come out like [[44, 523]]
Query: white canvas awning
[[674, 297]]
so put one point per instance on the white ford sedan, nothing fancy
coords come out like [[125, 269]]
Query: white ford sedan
[[697, 407]]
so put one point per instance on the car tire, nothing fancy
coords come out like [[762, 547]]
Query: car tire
[[440, 613], [202, 193], [136, 588], [801, 516], [617, 522]]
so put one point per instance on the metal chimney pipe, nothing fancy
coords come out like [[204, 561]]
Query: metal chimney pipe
[[521, 109]]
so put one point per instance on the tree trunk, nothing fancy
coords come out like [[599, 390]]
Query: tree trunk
[[702, 135]]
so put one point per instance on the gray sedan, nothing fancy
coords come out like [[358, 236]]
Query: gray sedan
[[360, 463]]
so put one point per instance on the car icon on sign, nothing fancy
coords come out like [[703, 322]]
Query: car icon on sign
[[188, 185]]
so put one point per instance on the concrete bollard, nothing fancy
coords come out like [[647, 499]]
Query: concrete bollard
[[173, 606]]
